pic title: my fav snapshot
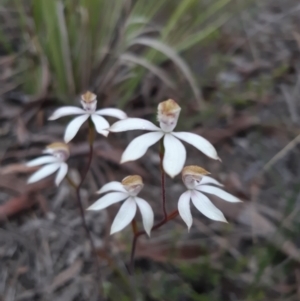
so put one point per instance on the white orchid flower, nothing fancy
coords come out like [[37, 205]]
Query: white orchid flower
[[128, 189], [58, 153], [89, 104], [175, 153], [196, 181]]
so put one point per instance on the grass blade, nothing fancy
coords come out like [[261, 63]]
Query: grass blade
[[171, 54], [160, 73]]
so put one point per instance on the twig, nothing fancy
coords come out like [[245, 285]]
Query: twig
[[282, 153], [291, 103]]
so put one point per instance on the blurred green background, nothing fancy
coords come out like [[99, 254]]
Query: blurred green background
[[108, 46]]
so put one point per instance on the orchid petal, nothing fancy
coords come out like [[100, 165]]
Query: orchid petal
[[174, 157], [130, 124], [147, 214], [100, 123], [41, 161], [108, 200], [104, 133], [209, 180], [66, 111], [199, 142], [63, 170], [138, 146], [124, 216], [73, 127], [112, 186], [112, 112], [206, 207], [219, 193], [184, 208], [44, 172]]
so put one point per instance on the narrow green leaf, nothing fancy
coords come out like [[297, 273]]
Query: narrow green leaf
[[175, 58], [159, 72]]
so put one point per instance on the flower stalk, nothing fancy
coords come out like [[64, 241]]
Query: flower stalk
[[134, 226], [163, 176], [137, 234], [77, 188], [166, 217]]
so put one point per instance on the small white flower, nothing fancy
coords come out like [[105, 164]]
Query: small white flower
[[196, 181], [175, 153], [89, 104], [128, 189], [58, 153]]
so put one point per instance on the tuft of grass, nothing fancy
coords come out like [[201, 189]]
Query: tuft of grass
[[109, 46]]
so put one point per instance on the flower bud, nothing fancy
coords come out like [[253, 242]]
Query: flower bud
[[133, 184], [89, 101], [192, 175], [59, 150], [167, 114]]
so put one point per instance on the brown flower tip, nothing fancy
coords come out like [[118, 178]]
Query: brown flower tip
[[88, 97], [168, 107], [132, 181], [194, 170], [58, 146], [133, 184], [59, 150]]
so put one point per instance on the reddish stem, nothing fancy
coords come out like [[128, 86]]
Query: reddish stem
[[78, 197], [166, 217], [162, 172], [79, 201], [134, 226], [169, 217]]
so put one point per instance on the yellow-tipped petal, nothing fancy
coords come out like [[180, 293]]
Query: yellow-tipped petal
[[133, 184], [88, 97]]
